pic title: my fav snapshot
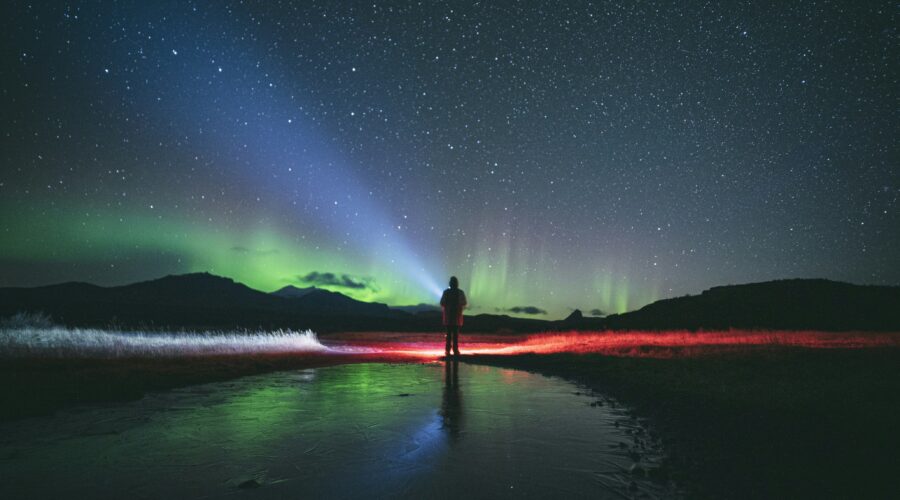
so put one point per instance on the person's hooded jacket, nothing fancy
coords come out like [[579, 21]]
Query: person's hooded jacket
[[453, 301]]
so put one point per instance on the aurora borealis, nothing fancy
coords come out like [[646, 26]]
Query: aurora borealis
[[554, 156]]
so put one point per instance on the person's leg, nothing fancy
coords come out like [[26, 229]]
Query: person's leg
[[447, 344], [456, 340]]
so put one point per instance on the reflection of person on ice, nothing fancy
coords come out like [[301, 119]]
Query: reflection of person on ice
[[451, 403], [453, 302]]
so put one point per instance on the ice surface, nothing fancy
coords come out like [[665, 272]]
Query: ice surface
[[358, 430]]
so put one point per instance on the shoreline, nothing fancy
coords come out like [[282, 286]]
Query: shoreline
[[778, 423]]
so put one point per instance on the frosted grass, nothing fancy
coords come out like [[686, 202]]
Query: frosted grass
[[61, 342]]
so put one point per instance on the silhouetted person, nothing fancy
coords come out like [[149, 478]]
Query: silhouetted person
[[451, 403], [453, 302]]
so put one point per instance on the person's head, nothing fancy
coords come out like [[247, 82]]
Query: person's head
[[454, 283]]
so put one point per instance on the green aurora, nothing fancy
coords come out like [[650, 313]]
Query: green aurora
[[266, 257]]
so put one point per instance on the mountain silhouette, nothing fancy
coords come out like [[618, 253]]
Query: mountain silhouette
[[206, 301], [195, 290], [292, 292], [795, 304], [312, 300], [575, 317], [418, 308]]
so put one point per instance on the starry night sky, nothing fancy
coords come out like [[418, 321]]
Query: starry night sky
[[553, 156]]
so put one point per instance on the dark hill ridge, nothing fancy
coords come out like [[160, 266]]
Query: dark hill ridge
[[317, 300], [198, 300], [202, 300], [418, 308], [197, 289], [575, 317], [292, 292], [190, 300], [795, 304]]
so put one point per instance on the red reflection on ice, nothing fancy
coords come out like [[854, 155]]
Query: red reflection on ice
[[664, 344]]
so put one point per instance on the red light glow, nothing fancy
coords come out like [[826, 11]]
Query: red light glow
[[665, 344]]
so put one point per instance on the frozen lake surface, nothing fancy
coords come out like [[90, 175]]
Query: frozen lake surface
[[357, 430]]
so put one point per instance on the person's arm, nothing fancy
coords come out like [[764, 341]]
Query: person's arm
[[462, 300], [444, 299]]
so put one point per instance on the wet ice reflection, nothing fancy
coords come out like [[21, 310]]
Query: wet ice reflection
[[374, 430]]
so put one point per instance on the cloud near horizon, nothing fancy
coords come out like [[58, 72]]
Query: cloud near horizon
[[597, 312], [316, 278], [526, 310]]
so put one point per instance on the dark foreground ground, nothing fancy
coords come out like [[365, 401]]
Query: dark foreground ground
[[773, 423], [761, 423]]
